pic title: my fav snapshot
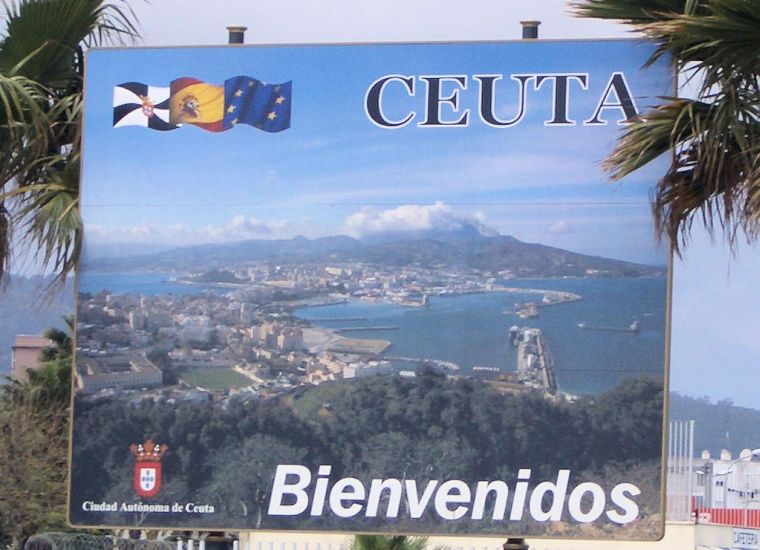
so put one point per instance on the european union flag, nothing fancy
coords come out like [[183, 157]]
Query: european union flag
[[250, 101]]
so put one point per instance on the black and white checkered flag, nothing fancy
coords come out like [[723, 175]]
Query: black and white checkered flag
[[136, 104]]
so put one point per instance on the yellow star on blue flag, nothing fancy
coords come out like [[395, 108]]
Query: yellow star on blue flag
[[250, 101]]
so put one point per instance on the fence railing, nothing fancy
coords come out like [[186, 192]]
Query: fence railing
[[680, 466], [74, 541], [738, 517]]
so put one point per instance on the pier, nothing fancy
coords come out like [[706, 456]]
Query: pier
[[535, 366], [361, 329], [339, 319], [526, 310], [321, 302], [448, 365]]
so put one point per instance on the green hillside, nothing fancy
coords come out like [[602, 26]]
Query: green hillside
[[720, 425]]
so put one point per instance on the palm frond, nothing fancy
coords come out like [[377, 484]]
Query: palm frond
[[722, 44], [714, 139], [711, 172], [5, 240], [651, 135], [52, 30], [23, 121], [41, 70], [117, 25], [632, 12], [387, 542], [24, 133], [47, 213]]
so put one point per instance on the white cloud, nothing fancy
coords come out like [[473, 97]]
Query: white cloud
[[248, 226], [237, 228], [408, 217], [561, 227]]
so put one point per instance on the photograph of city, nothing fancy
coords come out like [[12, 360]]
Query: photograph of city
[[334, 325]]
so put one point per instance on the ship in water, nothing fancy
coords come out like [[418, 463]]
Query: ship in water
[[526, 310], [634, 327]]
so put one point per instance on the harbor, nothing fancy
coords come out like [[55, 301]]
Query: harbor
[[470, 330]]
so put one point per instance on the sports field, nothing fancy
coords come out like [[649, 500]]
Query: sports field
[[216, 379]]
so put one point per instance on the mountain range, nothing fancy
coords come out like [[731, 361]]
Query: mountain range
[[464, 248], [718, 425]]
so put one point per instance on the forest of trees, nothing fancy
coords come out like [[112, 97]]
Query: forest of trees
[[428, 427]]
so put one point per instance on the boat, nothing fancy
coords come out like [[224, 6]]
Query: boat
[[634, 327]]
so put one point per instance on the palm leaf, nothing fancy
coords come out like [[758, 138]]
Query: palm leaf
[[23, 122], [714, 139], [24, 132], [632, 12], [5, 239], [41, 71], [53, 30], [47, 213], [387, 542]]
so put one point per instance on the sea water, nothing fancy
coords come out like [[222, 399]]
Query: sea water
[[472, 330]]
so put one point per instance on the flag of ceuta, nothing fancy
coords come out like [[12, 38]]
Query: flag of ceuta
[[187, 100], [136, 104]]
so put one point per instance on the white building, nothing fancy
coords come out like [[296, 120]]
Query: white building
[[116, 372]]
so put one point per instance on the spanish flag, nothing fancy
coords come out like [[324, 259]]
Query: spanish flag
[[196, 102]]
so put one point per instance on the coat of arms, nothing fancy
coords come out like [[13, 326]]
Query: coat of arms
[[147, 474]]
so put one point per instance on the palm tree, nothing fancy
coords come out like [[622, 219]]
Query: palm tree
[[53, 379], [714, 138], [41, 74], [62, 344], [387, 542]]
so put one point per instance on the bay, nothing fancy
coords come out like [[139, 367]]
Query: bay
[[145, 283], [472, 330]]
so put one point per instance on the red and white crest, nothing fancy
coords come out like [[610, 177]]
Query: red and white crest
[[148, 107], [147, 478], [147, 474]]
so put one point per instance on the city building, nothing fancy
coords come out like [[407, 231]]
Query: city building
[[26, 352], [119, 372], [290, 339]]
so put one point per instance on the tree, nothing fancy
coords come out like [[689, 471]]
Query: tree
[[34, 444], [33, 449], [714, 176], [242, 475], [41, 76], [53, 378]]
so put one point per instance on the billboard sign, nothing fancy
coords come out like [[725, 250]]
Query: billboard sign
[[369, 288]]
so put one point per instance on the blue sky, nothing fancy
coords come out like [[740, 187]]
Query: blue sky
[[335, 172]]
